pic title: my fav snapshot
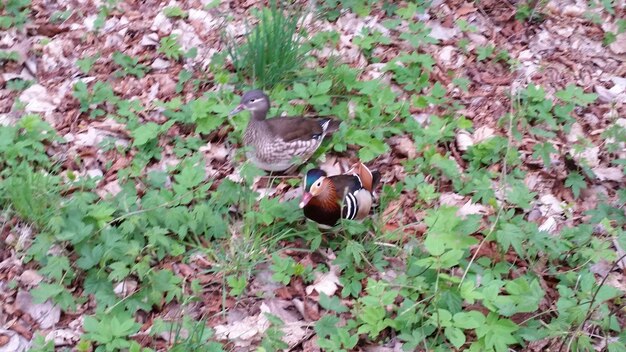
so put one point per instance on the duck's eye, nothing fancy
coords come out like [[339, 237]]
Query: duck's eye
[[318, 184], [252, 100]]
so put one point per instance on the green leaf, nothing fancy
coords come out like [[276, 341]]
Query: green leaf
[[484, 52], [190, 176], [56, 267], [434, 245], [332, 303], [326, 326], [356, 249], [300, 90], [46, 291], [447, 231], [576, 95], [174, 11], [543, 151], [469, 293], [169, 47], [469, 320], [86, 63], [520, 195], [576, 182], [497, 333], [237, 284], [145, 133], [462, 82], [455, 336], [324, 87], [511, 235], [448, 166]]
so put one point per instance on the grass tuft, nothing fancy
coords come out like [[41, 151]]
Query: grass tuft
[[272, 52]]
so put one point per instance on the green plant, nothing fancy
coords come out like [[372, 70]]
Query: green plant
[[484, 52], [530, 10], [207, 113], [60, 16], [129, 65], [111, 332], [174, 12], [273, 339], [34, 195], [85, 64], [169, 47], [335, 338], [412, 70], [96, 99], [485, 275], [19, 84], [9, 56], [104, 10], [418, 34], [465, 26], [24, 143], [331, 9], [188, 335], [258, 234], [183, 77], [40, 344], [272, 52], [285, 268], [14, 13], [367, 40]]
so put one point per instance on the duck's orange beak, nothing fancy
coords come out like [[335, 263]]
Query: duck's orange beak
[[306, 197]]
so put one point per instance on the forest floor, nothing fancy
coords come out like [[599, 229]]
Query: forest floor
[[129, 219]]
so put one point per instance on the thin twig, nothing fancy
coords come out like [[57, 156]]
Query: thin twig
[[502, 189], [593, 299]]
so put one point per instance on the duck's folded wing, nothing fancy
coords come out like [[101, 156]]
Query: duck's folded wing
[[345, 184], [294, 128], [348, 188], [369, 178]]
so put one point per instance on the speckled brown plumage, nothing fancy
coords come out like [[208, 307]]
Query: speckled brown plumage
[[280, 143]]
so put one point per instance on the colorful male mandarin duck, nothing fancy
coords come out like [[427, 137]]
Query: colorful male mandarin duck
[[280, 143], [326, 199]]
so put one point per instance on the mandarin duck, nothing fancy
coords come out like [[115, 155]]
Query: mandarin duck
[[326, 199], [280, 143]]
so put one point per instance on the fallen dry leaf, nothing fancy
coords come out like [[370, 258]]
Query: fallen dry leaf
[[13, 342], [470, 208], [549, 225], [243, 331], [30, 278], [619, 45], [440, 32], [465, 208], [37, 99], [464, 140], [608, 173], [550, 205], [46, 314], [326, 283], [64, 337], [403, 145], [125, 288], [483, 133], [250, 329]]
